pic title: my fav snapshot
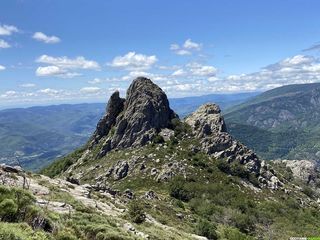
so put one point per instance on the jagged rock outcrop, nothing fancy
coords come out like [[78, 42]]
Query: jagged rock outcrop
[[305, 170], [114, 108], [135, 120], [209, 127]]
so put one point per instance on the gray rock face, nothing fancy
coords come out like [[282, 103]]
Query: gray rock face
[[114, 107], [209, 126], [207, 120], [136, 120], [305, 170]]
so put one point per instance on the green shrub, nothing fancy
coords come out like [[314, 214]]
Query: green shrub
[[180, 128], [237, 169], [178, 189], [224, 166], [173, 141], [65, 234], [158, 139], [234, 234], [178, 203], [15, 231], [136, 212], [8, 210], [308, 191], [206, 229], [244, 222]]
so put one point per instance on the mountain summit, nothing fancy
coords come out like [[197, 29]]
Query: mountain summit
[[144, 118], [172, 178], [135, 120]]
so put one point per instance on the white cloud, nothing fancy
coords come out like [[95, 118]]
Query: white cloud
[[8, 94], [293, 70], [49, 91], [187, 47], [2, 68], [188, 44], [55, 71], [174, 46], [90, 90], [39, 36], [183, 52], [197, 69], [95, 81], [68, 63], [134, 74], [60, 66], [4, 44], [49, 71], [179, 72], [134, 61], [28, 85], [7, 30], [296, 60]]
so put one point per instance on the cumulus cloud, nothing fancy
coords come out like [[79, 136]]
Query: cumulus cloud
[[28, 85], [61, 66], [188, 44], [195, 69], [50, 71], [293, 70], [90, 90], [134, 61], [49, 91], [39, 36], [179, 72], [297, 60], [7, 30], [95, 81], [4, 44], [9, 93], [187, 47], [2, 68], [68, 63]]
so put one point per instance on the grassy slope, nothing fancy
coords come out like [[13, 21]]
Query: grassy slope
[[206, 197]]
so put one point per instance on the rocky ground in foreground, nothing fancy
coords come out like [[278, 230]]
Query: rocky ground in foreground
[[146, 174]]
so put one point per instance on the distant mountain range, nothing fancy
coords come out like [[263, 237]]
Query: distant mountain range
[[280, 123], [36, 136]]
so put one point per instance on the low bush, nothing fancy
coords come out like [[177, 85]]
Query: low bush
[[178, 189], [206, 229], [158, 139], [136, 212]]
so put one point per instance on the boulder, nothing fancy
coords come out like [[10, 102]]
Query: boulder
[[11, 169], [121, 170]]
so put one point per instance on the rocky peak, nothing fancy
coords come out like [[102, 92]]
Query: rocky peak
[[209, 127], [207, 120], [114, 107], [135, 120]]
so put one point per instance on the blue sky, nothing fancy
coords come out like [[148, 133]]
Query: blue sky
[[54, 51]]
